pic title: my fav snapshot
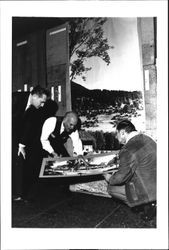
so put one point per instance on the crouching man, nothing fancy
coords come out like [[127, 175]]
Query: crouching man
[[135, 181]]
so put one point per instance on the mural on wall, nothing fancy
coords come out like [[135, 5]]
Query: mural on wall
[[108, 91], [106, 76]]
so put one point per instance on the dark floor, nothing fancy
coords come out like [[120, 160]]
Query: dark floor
[[55, 207]]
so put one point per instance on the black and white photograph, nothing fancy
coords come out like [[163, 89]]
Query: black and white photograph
[[84, 125]]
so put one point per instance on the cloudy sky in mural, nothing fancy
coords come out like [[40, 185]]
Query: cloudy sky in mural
[[124, 71]]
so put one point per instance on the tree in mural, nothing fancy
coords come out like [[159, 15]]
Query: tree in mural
[[86, 40]]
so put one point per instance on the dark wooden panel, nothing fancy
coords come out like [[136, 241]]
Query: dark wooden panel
[[29, 61], [41, 56], [57, 56], [21, 66], [56, 42], [57, 80]]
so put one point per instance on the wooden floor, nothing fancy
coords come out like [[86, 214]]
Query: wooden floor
[[56, 207]]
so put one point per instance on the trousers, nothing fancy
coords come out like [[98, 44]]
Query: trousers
[[118, 192]]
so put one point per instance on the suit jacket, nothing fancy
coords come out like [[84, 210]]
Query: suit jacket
[[26, 125], [19, 102], [137, 170], [57, 140], [30, 127]]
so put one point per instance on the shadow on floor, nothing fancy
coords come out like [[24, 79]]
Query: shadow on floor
[[56, 207]]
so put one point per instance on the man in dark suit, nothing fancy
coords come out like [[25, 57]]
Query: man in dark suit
[[27, 120]]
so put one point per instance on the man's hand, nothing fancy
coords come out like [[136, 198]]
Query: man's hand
[[21, 151], [54, 154], [107, 177]]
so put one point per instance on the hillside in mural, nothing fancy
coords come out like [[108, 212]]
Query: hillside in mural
[[100, 111], [83, 98]]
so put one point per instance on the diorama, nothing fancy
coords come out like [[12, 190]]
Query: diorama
[[92, 164]]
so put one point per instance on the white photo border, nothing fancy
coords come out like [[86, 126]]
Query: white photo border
[[12, 238]]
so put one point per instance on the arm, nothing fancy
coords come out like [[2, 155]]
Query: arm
[[26, 130], [27, 124], [125, 168], [47, 129], [77, 143]]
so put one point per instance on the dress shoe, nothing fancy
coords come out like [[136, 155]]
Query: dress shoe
[[23, 200], [18, 199], [147, 212]]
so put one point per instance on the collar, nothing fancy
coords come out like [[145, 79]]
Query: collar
[[61, 128], [131, 135], [29, 102]]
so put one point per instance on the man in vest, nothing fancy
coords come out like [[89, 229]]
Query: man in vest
[[60, 136]]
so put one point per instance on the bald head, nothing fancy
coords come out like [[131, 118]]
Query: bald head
[[70, 121]]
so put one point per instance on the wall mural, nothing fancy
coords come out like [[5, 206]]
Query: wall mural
[[106, 87]]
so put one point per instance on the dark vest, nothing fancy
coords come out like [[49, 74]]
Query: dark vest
[[57, 140]]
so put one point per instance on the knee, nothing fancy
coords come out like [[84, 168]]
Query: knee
[[118, 192]]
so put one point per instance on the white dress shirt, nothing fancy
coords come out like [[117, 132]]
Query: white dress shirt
[[48, 128], [29, 102]]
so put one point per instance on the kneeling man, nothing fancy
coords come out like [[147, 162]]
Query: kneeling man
[[135, 181]]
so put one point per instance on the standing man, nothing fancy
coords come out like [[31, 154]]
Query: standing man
[[27, 122], [135, 181]]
